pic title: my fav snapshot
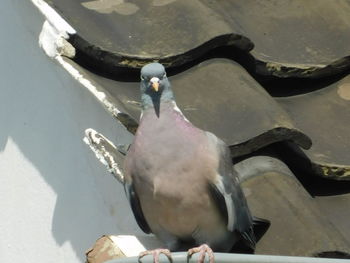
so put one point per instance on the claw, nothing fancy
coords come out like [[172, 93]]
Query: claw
[[155, 253], [203, 249]]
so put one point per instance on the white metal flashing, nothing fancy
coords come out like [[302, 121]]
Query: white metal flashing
[[53, 40], [100, 95], [54, 18]]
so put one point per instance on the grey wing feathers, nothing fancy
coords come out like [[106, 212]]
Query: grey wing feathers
[[229, 196]]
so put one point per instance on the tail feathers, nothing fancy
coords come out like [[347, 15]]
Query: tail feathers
[[246, 244], [254, 233], [257, 221], [260, 226], [249, 238]]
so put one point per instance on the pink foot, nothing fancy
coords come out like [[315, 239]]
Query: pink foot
[[155, 253], [203, 249]]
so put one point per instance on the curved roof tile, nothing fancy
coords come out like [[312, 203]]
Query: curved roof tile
[[292, 38]]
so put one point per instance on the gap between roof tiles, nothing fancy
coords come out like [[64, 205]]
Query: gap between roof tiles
[[315, 183], [280, 82]]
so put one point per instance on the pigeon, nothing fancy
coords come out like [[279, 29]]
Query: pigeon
[[179, 179]]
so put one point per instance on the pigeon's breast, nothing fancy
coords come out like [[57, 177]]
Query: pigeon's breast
[[182, 215], [167, 146], [171, 176]]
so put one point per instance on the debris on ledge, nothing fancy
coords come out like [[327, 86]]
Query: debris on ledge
[[111, 247], [106, 152]]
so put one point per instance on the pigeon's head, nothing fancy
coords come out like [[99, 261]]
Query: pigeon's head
[[155, 86], [154, 79]]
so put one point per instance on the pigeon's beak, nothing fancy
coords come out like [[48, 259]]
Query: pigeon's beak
[[155, 83]]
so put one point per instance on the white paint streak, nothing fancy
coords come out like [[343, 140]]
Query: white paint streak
[[55, 32], [100, 95], [95, 141], [54, 18], [53, 42], [52, 39]]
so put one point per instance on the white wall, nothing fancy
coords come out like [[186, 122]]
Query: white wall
[[55, 198]]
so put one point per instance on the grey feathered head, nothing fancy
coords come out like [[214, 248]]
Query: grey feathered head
[[153, 77], [155, 86]]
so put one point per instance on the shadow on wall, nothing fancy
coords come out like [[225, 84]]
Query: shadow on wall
[[45, 112]]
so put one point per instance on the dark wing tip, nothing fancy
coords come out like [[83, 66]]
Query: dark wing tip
[[255, 232], [136, 209], [249, 238]]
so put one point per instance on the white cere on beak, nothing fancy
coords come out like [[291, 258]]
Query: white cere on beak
[[154, 80], [155, 83]]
